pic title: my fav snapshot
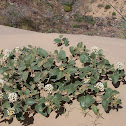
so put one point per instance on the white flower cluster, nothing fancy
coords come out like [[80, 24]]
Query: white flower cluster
[[1, 86], [17, 49], [15, 62], [6, 55], [1, 83], [1, 95], [10, 111], [100, 86], [120, 66], [95, 49], [15, 59], [86, 80], [13, 97], [48, 88]]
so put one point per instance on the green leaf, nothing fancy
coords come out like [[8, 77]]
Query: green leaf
[[93, 80], [72, 62], [86, 101], [103, 71], [3, 69], [105, 104], [61, 36], [39, 108], [105, 84], [25, 75], [6, 104], [51, 60], [47, 65], [66, 42], [58, 40], [37, 77], [108, 93], [30, 101], [5, 113], [95, 109], [41, 100], [96, 75], [62, 55], [30, 46], [27, 92], [57, 97], [42, 52], [56, 52], [70, 88], [101, 63], [72, 70], [115, 77], [49, 110], [82, 75], [84, 58], [80, 45], [72, 50], [54, 72], [27, 60], [19, 115], [60, 75], [25, 107], [67, 99], [93, 55], [22, 67], [100, 53]]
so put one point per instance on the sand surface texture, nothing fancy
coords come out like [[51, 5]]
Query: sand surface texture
[[96, 8], [114, 50]]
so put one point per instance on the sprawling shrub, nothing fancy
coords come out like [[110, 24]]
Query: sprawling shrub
[[37, 81]]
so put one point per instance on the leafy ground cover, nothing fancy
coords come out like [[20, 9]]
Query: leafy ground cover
[[37, 81]]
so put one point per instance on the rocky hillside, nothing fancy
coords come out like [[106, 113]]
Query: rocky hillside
[[91, 17]]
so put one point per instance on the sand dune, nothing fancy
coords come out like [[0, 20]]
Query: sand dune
[[114, 50]]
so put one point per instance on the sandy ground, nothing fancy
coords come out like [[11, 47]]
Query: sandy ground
[[97, 8], [114, 50]]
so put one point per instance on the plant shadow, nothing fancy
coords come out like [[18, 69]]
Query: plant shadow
[[116, 85], [28, 120], [112, 108]]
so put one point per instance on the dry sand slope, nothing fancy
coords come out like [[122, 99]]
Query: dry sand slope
[[97, 8], [114, 50]]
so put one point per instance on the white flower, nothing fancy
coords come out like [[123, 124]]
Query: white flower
[[116, 96], [7, 52], [15, 62], [1, 83], [12, 97], [17, 49], [6, 55], [48, 88], [95, 49], [10, 111], [5, 58], [120, 66], [100, 86], [40, 86], [86, 80], [1, 95], [15, 59]]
